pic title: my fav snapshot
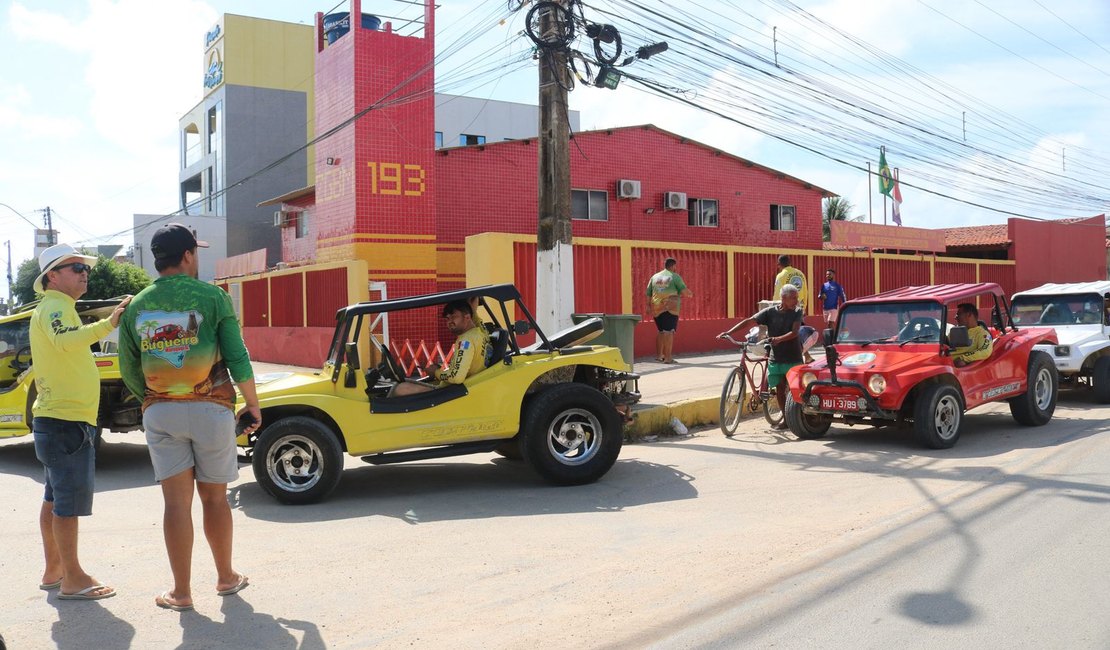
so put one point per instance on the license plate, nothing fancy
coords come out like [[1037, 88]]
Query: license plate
[[839, 403]]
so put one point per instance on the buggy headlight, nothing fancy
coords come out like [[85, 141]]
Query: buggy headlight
[[1063, 350], [808, 378], [877, 384]]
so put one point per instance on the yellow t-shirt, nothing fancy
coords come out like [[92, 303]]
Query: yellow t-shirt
[[794, 277], [66, 377], [469, 357], [980, 348]]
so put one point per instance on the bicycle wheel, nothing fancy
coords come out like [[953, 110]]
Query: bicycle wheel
[[771, 411], [732, 401]]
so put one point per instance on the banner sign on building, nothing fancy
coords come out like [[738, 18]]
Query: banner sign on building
[[869, 235], [213, 59]]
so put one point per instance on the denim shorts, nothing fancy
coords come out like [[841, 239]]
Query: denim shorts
[[65, 449], [195, 434]]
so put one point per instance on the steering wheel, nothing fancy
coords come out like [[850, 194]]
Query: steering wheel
[[390, 368], [18, 365], [921, 327]]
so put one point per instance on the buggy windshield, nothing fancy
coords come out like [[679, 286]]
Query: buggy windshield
[[1081, 309], [893, 322]]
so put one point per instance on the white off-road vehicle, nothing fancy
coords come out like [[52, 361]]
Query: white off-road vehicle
[[1078, 311]]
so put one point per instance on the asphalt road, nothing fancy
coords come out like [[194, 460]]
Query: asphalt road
[[862, 539]]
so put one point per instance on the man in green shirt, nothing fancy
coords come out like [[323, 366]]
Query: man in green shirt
[[65, 412], [180, 347], [665, 291]]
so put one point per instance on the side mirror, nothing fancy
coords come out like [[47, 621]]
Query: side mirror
[[830, 336], [350, 353], [958, 337], [521, 327]]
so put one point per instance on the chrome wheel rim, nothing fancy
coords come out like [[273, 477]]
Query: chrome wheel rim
[[1042, 390], [574, 437], [946, 417], [295, 463]]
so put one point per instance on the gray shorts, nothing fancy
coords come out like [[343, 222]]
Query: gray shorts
[[180, 435]]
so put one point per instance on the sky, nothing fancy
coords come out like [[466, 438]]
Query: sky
[[91, 92]]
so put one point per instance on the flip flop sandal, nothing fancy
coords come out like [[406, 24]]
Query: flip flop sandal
[[244, 581], [163, 601], [47, 586], [86, 594]]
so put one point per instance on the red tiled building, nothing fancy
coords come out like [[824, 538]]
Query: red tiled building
[[383, 194]]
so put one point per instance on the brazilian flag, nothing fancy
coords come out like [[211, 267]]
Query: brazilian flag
[[886, 179]]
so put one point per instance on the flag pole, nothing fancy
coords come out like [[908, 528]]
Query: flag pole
[[883, 150], [869, 220]]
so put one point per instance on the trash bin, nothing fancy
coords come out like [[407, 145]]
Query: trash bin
[[619, 331]]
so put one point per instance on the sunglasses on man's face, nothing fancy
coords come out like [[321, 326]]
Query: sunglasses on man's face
[[78, 267]]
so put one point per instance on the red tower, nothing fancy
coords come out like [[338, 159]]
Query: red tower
[[375, 192]]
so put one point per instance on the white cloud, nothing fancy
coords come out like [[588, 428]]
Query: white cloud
[[20, 121]]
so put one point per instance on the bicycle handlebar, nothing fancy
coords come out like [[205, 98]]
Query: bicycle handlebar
[[745, 344]]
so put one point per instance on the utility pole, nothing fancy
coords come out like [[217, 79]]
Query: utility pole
[[49, 227], [554, 250]]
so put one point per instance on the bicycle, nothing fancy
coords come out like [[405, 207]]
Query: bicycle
[[744, 374]]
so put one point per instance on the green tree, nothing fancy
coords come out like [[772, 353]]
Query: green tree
[[112, 279], [24, 278], [108, 279], [836, 208]]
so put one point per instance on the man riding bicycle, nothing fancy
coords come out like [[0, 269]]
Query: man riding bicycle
[[783, 322]]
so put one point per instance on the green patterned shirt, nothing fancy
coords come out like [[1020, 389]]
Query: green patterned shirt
[[179, 339]]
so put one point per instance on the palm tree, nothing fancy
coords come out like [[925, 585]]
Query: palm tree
[[836, 208], [149, 326]]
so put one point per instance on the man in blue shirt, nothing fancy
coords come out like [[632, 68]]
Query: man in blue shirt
[[831, 297]]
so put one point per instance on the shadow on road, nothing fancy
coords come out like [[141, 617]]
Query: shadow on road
[[425, 492], [119, 465], [243, 622], [896, 456], [83, 625]]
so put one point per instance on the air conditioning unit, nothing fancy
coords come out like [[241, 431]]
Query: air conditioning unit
[[674, 200], [628, 189], [279, 218]]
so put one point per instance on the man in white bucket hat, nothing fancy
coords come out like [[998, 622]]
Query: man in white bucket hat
[[65, 413]]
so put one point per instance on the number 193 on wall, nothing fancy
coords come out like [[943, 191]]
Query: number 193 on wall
[[396, 179]]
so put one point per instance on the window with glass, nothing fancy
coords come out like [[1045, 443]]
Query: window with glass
[[15, 339], [467, 139], [302, 224], [703, 212], [439, 139], [782, 217], [591, 205], [216, 203], [892, 322], [191, 144]]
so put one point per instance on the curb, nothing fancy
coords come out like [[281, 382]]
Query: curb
[[655, 420]]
